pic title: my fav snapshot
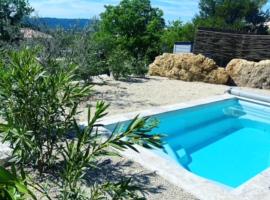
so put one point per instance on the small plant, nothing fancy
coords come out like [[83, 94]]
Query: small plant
[[12, 187], [123, 190], [82, 153]]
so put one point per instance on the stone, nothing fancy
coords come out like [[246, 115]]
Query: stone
[[249, 74], [188, 67]]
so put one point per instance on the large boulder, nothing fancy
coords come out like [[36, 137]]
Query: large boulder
[[188, 67], [250, 74]]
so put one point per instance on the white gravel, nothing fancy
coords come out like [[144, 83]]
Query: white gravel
[[140, 94]]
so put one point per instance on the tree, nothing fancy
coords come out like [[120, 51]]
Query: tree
[[133, 26], [238, 15], [176, 31], [12, 13], [88, 53]]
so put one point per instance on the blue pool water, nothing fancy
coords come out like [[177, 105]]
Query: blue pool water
[[227, 141]]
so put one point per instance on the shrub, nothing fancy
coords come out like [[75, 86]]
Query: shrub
[[176, 31], [88, 55], [72, 46], [120, 64], [12, 13], [82, 154], [140, 66], [39, 109]]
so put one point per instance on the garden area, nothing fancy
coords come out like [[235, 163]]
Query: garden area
[[57, 86]]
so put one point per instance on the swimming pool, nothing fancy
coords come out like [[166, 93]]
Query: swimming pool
[[227, 142]]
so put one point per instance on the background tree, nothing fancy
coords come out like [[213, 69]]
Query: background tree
[[133, 26], [12, 13], [237, 15], [176, 31], [88, 53]]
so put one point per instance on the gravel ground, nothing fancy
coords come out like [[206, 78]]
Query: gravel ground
[[140, 94], [156, 188]]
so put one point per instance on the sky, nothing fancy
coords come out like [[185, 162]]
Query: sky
[[173, 9]]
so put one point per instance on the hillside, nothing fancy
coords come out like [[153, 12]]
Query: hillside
[[54, 23]]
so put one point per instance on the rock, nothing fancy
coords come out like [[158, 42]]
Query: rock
[[250, 74], [188, 67]]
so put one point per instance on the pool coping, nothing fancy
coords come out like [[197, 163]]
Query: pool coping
[[204, 189]]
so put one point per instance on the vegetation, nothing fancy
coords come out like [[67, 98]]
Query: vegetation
[[38, 107], [112, 46], [246, 15], [41, 89], [39, 110], [139, 39], [177, 31], [12, 187], [11, 14]]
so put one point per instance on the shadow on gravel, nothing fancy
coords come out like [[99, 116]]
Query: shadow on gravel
[[115, 171]]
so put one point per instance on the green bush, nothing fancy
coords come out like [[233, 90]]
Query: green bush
[[176, 31], [120, 64], [72, 46], [82, 154], [37, 106], [139, 38], [39, 110], [12, 13], [88, 55]]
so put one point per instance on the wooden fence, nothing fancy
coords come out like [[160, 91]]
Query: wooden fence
[[224, 46]]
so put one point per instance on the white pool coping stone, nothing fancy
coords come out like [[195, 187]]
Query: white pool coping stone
[[256, 188]]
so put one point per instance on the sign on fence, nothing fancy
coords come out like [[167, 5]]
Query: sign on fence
[[183, 47]]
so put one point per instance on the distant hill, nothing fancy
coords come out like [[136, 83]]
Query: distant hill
[[54, 23]]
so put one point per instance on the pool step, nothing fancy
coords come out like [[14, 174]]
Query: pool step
[[252, 117], [234, 111], [179, 155], [239, 111]]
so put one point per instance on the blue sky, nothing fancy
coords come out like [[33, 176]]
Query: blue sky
[[173, 9]]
